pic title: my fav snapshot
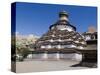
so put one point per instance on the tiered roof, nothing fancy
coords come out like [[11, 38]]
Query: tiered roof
[[61, 35]]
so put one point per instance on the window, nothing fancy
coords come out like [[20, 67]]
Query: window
[[73, 46], [48, 46], [88, 37], [59, 40], [68, 46], [80, 47], [42, 46], [77, 41], [58, 46], [83, 42], [51, 40], [53, 35]]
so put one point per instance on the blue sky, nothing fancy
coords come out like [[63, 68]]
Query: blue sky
[[34, 18]]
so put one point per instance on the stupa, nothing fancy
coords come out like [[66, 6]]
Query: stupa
[[61, 38]]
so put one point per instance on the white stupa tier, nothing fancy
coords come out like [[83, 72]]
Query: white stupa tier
[[61, 36]]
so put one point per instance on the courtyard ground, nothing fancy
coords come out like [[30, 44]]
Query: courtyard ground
[[46, 65]]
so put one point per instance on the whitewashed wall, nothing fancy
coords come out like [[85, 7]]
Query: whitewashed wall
[[73, 56]]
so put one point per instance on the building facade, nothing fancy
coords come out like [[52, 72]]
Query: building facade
[[61, 40]]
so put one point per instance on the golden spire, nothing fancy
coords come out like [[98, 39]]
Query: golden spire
[[63, 15]]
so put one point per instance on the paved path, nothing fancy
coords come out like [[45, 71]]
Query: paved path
[[46, 65]]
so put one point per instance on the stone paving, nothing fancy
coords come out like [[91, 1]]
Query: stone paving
[[46, 65]]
